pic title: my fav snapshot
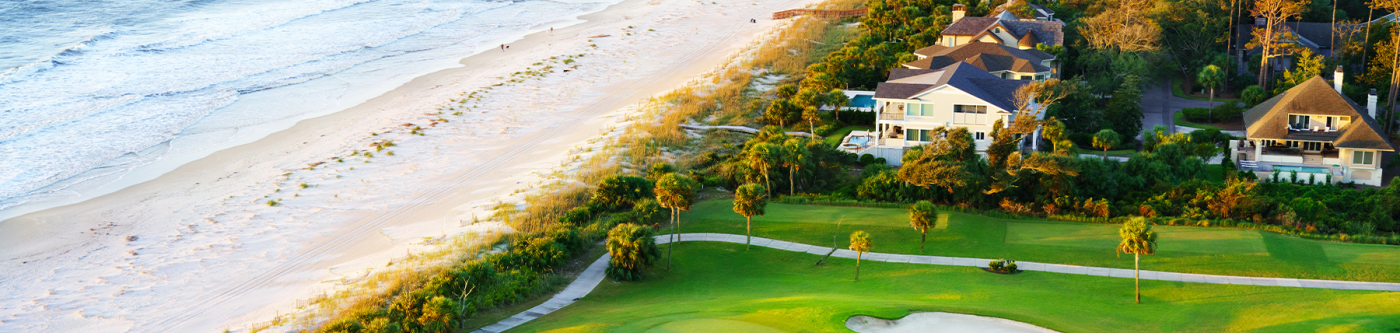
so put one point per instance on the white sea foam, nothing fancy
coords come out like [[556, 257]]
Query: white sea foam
[[88, 112]]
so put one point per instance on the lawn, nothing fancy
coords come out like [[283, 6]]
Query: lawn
[[1176, 91], [720, 287], [835, 137], [1179, 121], [1225, 251]]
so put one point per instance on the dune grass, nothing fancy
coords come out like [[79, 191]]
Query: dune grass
[[1204, 250], [718, 287]]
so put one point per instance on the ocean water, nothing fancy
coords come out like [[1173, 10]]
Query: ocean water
[[92, 90]]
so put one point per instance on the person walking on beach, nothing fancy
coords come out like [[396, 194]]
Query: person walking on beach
[[503, 47], [551, 31]]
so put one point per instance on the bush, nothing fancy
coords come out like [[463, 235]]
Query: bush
[[620, 191], [866, 159], [1253, 95], [1002, 266], [1226, 112], [852, 117], [632, 249], [880, 160]]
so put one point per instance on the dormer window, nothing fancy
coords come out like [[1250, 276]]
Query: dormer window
[[996, 30]]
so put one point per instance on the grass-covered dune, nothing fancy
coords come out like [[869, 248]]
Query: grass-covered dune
[[720, 287], [1204, 250]]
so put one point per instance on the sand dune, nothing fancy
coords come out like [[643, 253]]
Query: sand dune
[[201, 249]]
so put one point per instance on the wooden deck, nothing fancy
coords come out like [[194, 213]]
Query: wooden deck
[[820, 13]]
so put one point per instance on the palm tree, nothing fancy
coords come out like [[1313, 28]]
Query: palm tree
[[794, 154], [676, 192], [631, 248], [923, 215], [749, 201], [1210, 76], [1138, 239], [760, 157], [1106, 139], [811, 114], [860, 242], [837, 98]]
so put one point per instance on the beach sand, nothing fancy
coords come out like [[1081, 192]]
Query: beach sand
[[200, 249]]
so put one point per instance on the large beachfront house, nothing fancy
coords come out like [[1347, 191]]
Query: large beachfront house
[[1004, 28], [1000, 60], [915, 101], [1315, 131]]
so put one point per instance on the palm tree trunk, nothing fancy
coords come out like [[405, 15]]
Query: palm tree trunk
[[1137, 289], [923, 238], [1105, 154], [749, 232], [791, 189], [1211, 109], [767, 185], [858, 254], [812, 127], [672, 245]]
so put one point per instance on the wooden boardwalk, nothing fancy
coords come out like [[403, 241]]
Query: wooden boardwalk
[[821, 13]]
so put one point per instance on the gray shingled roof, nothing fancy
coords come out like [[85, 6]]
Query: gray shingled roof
[[905, 83], [1269, 120], [991, 57], [1048, 32]]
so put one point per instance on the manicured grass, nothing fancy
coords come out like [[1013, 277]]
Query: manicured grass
[[836, 136], [1179, 121], [720, 287], [1205, 250], [1176, 91]]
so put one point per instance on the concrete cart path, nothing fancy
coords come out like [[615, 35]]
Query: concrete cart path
[[594, 273]]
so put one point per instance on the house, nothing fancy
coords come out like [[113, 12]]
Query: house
[[1037, 12], [1000, 60], [1314, 130], [1004, 28], [915, 101]]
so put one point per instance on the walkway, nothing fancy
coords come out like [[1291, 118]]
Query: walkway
[[594, 273]]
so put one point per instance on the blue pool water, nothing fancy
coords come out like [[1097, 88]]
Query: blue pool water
[[860, 140], [1286, 168], [863, 101]]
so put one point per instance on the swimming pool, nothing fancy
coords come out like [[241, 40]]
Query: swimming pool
[[863, 101], [1288, 168], [860, 140]]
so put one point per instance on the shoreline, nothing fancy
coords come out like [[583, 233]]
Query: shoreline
[[341, 238]]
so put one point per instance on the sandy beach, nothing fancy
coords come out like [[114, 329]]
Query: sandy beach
[[201, 249]]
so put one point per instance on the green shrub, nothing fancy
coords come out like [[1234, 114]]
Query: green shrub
[[867, 159], [621, 191], [632, 248]]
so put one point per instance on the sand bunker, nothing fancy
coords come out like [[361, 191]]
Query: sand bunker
[[924, 322]]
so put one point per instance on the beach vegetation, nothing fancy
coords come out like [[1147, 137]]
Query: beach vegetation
[[632, 248], [304, 185]]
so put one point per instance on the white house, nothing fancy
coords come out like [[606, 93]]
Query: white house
[[915, 101], [1314, 130]]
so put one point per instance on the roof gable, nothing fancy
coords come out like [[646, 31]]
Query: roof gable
[[1269, 120], [911, 83]]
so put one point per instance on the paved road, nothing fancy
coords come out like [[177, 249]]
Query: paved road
[[594, 273]]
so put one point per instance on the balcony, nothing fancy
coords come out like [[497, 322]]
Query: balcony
[[891, 116]]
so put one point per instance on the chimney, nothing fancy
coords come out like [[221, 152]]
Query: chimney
[[1337, 79], [958, 11], [1260, 21], [1371, 103]]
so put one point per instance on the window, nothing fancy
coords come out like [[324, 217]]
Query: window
[[918, 135], [979, 136], [970, 114], [1362, 157], [1298, 121], [916, 109], [1312, 146], [1027, 77]]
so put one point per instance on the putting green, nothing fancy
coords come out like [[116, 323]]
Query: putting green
[[712, 325]]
